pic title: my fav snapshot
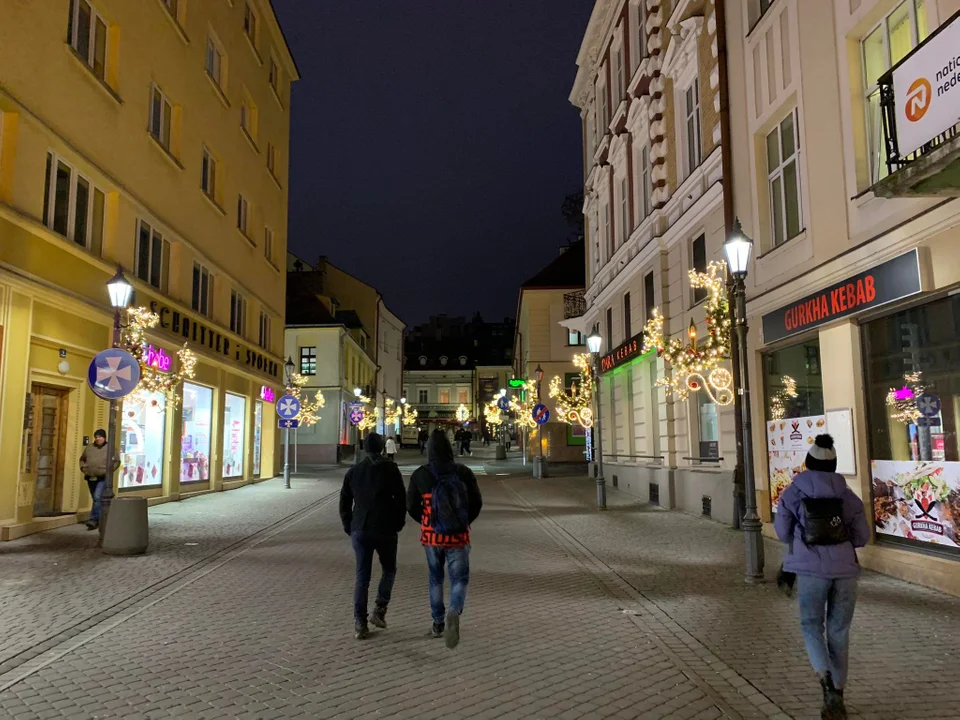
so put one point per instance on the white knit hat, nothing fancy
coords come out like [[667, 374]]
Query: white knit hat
[[822, 448]]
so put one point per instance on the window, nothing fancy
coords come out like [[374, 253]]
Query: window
[[308, 361], [173, 7], [639, 24], [363, 342], [271, 159], [153, 254], [698, 261], [161, 117], [604, 113], [268, 244], [208, 175], [264, 331], [238, 312], [423, 394], [87, 34], [627, 332], [274, 76], [708, 423], [250, 24], [649, 295], [249, 116], [202, 290], [444, 397], [215, 63], [72, 206], [896, 35], [646, 182], [607, 235], [609, 329], [575, 337], [234, 426], [243, 214], [783, 179], [462, 396], [624, 211], [197, 431], [691, 116], [618, 86]]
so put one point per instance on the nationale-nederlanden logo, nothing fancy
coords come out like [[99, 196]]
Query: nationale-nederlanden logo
[[918, 99]]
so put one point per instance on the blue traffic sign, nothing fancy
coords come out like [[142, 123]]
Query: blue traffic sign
[[503, 403], [541, 414], [927, 422], [113, 374], [288, 407], [288, 424], [928, 405]]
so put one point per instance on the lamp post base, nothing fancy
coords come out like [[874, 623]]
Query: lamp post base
[[753, 543], [601, 493]]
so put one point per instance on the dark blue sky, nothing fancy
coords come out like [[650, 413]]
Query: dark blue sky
[[433, 144]]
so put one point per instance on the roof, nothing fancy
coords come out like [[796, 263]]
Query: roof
[[305, 308], [566, 271]]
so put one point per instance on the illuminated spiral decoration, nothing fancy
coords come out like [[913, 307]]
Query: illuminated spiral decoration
[[719, 386]]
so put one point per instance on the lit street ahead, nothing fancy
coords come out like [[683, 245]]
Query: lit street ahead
[[242, 609]]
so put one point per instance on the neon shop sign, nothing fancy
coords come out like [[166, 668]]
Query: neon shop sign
[[267, 394], [157, 358]]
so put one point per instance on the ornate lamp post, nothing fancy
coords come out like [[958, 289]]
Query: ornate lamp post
[[594, 342], [121, 292], [288, 379], [357, 392], [738, 249]]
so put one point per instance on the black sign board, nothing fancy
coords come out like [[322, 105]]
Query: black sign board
[[624, 352], [890, 281]]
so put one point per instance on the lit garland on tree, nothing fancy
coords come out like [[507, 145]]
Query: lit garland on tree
[[575, 406], [524, 408], [308, 408], [369, 421], [778, 404], [463, 413], [153, 380], [492, 413], [696, 367], [903, 402]]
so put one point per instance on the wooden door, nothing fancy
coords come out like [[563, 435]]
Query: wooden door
[[49, 441]]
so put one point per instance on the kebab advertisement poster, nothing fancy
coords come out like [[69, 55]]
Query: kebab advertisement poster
[[788, 441], [917, 500]]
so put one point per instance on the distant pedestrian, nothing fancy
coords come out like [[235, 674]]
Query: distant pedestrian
[[391, 448], [372, 511], [93, 465], [822, 521], [422, 440], [445, 499], [466, 438]]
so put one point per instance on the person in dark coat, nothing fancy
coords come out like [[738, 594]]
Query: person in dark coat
[[450, 551], [373, 513]]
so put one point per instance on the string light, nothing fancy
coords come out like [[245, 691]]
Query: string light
[[524, 408], [696, 366], [308, 407], [574, 406], [492, 413], [778, 403], [463, 413], [903, 402], [152, 380]]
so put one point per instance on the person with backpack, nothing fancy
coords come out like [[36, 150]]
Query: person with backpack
[[445, 499], [373, 513], [823, 522]]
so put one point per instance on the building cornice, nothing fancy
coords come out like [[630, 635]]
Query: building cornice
[[599, 29]]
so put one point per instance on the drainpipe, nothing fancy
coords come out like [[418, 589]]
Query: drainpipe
[[726, 161]]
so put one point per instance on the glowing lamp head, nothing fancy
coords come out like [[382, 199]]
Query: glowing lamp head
[[594, 341], [403, 401], [539, 373], [357, 392], [692, 331], [288, 368], [737, 250], [120, 290]]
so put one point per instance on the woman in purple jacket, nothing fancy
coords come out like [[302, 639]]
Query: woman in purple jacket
[[826, 573]]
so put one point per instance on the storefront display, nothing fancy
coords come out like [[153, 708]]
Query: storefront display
[[234, 413], [197, 432], [142, 435], [257, 434]]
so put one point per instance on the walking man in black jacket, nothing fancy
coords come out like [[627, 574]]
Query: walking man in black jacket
[[372, 508]]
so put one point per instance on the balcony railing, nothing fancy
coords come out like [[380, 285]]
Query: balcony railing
[[574, 305]]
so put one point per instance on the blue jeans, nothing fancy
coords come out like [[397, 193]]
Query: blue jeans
[[458, 561], [364, 545], [96, 486], [827, 602]]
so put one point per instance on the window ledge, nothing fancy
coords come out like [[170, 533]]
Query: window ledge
[[276, 96], [785, 243], [247, 237], [273, 267], [221, 95], [174, 21], [274, 178], [171, 158], [102, 84], [213, 203], [253, 49], [249, 137]]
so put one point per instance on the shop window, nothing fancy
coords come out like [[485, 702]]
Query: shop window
[[783, 179], [793, 411], [202, 290], [143, 427], [257, 436], [87, 35], [698, 262], [72, 205], [708, 425], [197, 432], [308, 361], [234, 416], [913, 403], [153, 253]]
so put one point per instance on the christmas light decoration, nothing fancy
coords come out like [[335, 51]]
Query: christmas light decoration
[[463, 413], [696, 366], [778, 404], [903, 402], [152, 378], [370, 415], [575, 406], [522, 405], [492, 413], [308, 407]]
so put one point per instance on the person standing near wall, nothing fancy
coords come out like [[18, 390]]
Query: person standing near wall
[[93, 464]]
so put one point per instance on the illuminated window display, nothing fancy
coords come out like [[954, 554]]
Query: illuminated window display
[[234, 413], [142, 435], [197, 432]]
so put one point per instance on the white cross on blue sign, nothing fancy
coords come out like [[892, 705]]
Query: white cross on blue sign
[[288, 407], [113, 374]]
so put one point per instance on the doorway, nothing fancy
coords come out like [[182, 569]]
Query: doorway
[[49, 424]]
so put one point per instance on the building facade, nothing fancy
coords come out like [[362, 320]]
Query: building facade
[[647, 88], [852, 297], [177, 172]]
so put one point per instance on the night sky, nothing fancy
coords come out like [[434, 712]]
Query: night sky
[[433, 144]]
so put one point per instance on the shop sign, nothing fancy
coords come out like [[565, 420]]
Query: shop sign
[[888, 282], [184, 326], [157, 358], [918, 500], [926, 88], [632, 348], [267, 394]]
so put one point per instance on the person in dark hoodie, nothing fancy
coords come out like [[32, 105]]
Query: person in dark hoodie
[[373, 513], [823, 522], [445, 541]]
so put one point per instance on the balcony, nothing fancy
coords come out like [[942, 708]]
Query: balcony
[[574, 305], [919, 107]]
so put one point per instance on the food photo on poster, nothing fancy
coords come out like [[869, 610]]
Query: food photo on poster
[[917, 500], [788, 442]]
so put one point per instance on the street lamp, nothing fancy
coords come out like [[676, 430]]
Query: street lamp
[[737, 250], [540, 472], [121, 292], [594, 341], [288, 379]]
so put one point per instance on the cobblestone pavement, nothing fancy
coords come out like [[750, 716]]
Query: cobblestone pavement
[[634, 613]]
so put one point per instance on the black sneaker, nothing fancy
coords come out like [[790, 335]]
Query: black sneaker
[[833, 707], [451, 634], [378, 619], [92, 525], [436, 631], [362, 631]]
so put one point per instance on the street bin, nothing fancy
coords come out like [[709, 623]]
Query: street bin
[[127, 531]]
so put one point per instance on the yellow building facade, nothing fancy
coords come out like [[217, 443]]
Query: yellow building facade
[[153, 135]]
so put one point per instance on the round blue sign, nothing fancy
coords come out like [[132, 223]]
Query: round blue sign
[[541, 414], [288, 407], [503, 403], [928, 405], [113, 374]]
